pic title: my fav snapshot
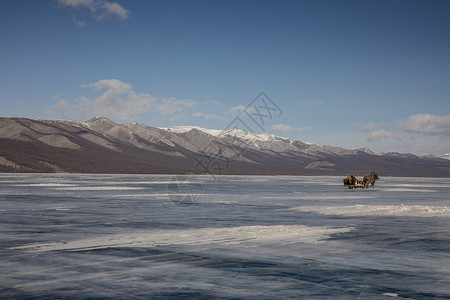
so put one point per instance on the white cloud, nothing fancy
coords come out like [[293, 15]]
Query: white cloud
[[427, 124], [384, 135], [61, 104], [214, 102], [210, 116], [415, 126], [118, 101], [75, 3], [370, 126], [114, 85], [281, 127], [302, 129], [113, 9], [173, 105], [79, 23], [235, 110], [100, 9], [284, 128], [379, 136], [61, 108]]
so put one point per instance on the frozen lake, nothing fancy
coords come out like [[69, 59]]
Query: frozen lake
[[229, 237]]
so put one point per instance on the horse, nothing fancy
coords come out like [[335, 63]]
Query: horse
[[370, 179], [350, 180]]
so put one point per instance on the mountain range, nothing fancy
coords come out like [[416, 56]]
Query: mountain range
[[103, 146]]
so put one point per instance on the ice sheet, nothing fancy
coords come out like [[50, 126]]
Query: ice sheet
[[246, 237]]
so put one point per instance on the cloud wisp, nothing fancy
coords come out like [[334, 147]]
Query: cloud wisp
[[210, 116], [423, 133], [285, 128], [78, 23], [118, 100], [415, 126], [99, 9], [383, 135], [427, 124], [172, 105], [370, 126]]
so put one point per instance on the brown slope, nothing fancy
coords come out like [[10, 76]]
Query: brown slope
[[52, 146]]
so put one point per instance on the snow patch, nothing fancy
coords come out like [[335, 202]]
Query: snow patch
[[184, 129], [225, 237], [408, 190], [390, 294], [44, 184], [242, 134], [379, 210], [98, 188]]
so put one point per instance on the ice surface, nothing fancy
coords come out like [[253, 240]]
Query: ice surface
[[244, 237]]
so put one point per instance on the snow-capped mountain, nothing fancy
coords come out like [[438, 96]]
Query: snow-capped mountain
[[261, 142], [103, 146], [445, 156]]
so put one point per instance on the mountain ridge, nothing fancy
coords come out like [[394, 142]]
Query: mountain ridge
[[100, 145]]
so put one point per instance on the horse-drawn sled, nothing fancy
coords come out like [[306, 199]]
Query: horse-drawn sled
[[352, 183]]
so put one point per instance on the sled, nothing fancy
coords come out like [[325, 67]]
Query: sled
[[354, 186]]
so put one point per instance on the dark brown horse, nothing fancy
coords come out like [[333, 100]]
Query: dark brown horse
[[350, 180], [370, 179]]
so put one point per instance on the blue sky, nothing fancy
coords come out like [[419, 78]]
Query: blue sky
[[355, 74]]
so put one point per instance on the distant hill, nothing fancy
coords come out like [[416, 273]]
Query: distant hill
[[103, 146]]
